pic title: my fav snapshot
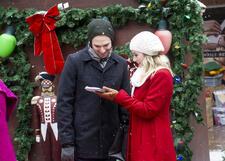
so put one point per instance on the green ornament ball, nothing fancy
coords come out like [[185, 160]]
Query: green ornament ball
[[7, 43]]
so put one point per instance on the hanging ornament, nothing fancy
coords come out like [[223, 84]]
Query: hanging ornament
[[177, 79], [181, 142], [149, 6], [185, 66], [7, 42], [177, 46], [164, 35], [42, 25], [180, 157], [180, 145], [141, 7]]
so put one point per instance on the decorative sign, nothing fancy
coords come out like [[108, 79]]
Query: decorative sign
[[214, 29], [213, 54]]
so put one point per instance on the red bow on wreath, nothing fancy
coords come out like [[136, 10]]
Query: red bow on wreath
[[45, 39]]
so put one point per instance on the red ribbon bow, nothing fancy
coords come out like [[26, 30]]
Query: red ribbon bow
[[45, 40]]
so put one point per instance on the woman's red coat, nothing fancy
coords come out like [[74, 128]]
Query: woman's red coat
[[150, 136]]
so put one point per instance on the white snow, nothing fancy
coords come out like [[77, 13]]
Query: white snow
[[216, 155]]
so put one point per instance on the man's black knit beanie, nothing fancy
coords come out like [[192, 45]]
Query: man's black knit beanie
[[100, 27]]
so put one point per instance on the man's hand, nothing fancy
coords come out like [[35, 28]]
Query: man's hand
[[211, 27], [109, 93], [67, 154]]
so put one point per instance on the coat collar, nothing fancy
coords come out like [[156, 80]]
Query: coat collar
[[86, 57]]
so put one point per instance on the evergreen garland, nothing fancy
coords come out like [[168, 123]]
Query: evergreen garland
[[185, 23]]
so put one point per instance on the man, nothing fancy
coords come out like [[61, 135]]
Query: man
[[88, 124]]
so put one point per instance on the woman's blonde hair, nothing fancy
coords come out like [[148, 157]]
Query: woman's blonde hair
[[151, 64]]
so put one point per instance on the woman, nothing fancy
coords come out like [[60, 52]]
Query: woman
[[7, 105], [150, 136]]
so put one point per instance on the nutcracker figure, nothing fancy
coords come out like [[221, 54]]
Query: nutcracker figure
[[44, 116]]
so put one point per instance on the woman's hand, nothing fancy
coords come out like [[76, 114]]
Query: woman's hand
[[108, 94]]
